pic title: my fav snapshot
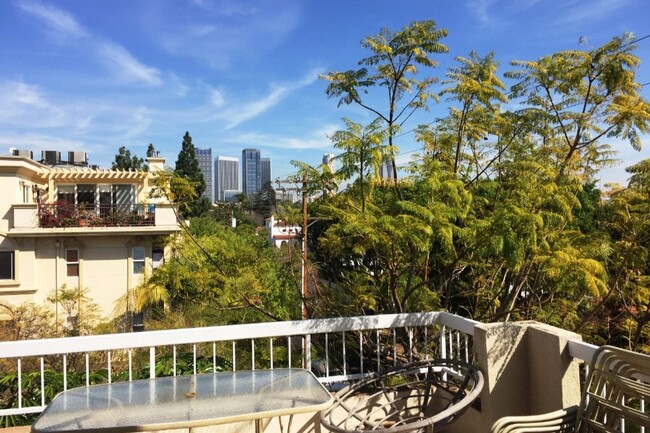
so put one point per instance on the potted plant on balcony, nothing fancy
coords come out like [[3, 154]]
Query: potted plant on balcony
[[84, 215]]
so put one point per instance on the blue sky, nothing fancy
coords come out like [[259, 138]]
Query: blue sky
[[97, 75]]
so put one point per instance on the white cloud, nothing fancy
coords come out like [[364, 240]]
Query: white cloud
[[216, 98], [128, 67], [577, 13], [240, 113], [57, 19], [26, 104], [315, 140], [226, 32], [39, 142], [481, 10]]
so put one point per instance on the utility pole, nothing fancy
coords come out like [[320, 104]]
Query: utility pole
[[303, 269], [304, 248]]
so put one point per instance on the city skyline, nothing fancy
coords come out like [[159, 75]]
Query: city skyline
[[95, 76]]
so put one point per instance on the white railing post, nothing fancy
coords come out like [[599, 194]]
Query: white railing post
[[169, 340], [308, 351], [152, 362], [443, 342]]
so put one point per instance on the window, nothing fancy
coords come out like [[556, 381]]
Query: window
[[7, 265], [86, 194], [25, 191], [72, 263], [137, 255], [65, 194], [157, 257]]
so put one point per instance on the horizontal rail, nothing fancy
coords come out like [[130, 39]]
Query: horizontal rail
[[25, 348], [337, 349]]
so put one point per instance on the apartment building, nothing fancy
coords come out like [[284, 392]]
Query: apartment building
[[84, 227]]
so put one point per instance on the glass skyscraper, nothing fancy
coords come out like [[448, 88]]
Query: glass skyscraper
[[265, 170], [251, 170], [226, 176], [204, 156]]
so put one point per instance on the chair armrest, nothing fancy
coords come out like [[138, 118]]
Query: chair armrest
[[562, 420]]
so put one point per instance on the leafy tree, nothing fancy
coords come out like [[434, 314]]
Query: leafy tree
[[221, 276], [187, 166], [265, 200], [392, 65], [627, 303], [81, 312], [363, 153], [582, 97], [476, 88], [151, 150], [125, 161]]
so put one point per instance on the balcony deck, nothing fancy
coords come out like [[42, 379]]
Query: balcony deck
[[32, 219], [514, 357]]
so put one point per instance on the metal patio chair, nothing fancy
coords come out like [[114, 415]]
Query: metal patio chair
[[616, 398], [421, 396]]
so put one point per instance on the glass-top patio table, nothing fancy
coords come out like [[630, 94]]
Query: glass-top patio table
[[184, 402]]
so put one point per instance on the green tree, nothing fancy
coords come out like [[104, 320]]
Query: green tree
[[125, 161], [265, 200], [474, 85], [392, 65], [363, 153], [151, 150], [217, 275], [187, 166], [627, 303], [583, 97]]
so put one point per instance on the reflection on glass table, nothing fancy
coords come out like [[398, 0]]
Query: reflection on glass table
[[184, 402]]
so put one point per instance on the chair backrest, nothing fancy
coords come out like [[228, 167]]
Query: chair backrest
[[616, 397]]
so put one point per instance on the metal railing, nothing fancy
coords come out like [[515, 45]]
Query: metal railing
[[336, 350], [63, 214]]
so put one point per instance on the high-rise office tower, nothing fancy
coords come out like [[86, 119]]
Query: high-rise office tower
[[226, 176], [251, 171], [204, 156], [386, 170], [265, 170], [328, 160]]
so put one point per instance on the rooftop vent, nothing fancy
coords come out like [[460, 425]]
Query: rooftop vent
[[23, 153], [77, 158], [51, 157]]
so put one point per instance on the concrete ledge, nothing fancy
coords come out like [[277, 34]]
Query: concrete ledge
[[19, 429]]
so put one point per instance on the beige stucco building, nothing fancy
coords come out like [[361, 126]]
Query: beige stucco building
[[83, 227]]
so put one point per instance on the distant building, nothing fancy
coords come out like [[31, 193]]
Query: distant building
[[386, 170], [265, 164], [328, 160], [281, 233], [79, 227], [204, 156], [226, 176], [230, 195], [251, 171]]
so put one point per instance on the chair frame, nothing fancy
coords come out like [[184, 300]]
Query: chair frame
[[615, 398]]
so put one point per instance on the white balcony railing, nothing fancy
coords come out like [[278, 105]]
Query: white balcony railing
[[336, 350]]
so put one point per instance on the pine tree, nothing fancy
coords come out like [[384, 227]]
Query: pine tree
[[124, 161], [187, 166]]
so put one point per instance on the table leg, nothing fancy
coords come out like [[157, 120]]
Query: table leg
[[258, 426]]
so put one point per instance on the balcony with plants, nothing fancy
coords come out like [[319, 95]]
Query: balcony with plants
[[62, 214]]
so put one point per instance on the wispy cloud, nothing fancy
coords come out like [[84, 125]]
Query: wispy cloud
[[226, 33], [575, 12], [23, 103], [481, 10], [279, 142], [128, 67], [317, 139], [55, 18], [120, 61], [242, 112]]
